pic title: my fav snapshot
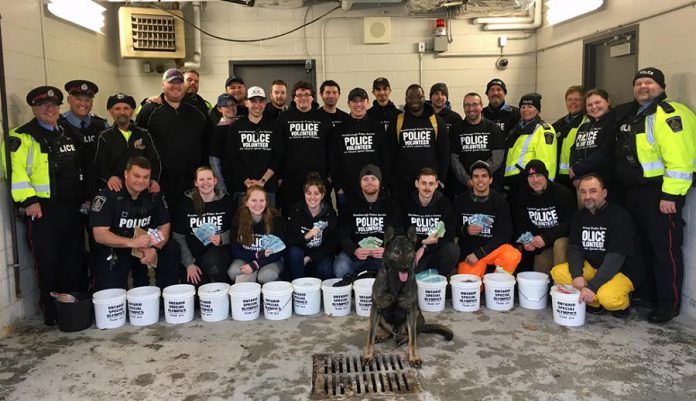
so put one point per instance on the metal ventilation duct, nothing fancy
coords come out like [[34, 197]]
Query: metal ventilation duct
[[473, 8]]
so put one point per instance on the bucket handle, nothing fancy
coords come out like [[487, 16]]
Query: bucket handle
[[531, 299]]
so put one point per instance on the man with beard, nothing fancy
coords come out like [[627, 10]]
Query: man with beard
[[383, 110], [180, 131], [191, 86], [306, 134], [603, 261], [439, 100], [355, 144], [417, 139], [498, 110], [330, 92], [279, 98], [654, 161], [235, 87], [122, 141], [475, 138]]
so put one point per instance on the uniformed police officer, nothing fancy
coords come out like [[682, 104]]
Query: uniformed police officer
[[46, 184], [531, 138], [566, 130], [655, 155], [114, 218], [81, 99], [122, 141]]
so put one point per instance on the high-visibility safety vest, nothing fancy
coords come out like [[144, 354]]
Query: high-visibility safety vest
[[667, 148], [540, 144], [30, 167], [568, 142]]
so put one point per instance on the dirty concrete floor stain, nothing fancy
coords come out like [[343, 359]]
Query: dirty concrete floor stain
[[521, 355]]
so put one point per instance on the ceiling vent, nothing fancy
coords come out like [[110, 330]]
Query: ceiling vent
[[151, 33], [377, 30]]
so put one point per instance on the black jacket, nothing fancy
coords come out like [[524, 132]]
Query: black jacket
[[594, 148], [505, 115], [113, 152], [384, 115], [362, 219], [546, 214], [300, 221], [495, 206], [424, 218]]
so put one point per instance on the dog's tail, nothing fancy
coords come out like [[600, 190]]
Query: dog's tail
[[438, 329]]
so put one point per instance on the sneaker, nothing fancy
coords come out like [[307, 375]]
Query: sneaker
[[595, 310], [622, 314]]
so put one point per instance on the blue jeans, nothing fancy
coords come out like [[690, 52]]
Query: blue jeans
[[346, 264], [294, 261]]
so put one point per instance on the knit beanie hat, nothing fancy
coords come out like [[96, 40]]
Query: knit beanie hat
[[651, 72], [532, 99]]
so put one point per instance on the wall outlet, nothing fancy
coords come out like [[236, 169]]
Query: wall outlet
[[421, 47], [502, 41]]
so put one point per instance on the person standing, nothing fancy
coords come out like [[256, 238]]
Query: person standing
[[439, 100], [499, 110], [235, 87], [474, 138], [655, 163], [279, 98], [305, 131], [383, 110], [120, 142], [531, 138], [566, 129], [417, 139], [46, 185], [356, 143], [330, 93], [218, 142], [254, 150], [180, 131]]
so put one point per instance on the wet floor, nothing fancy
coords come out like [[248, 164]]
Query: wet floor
[[516, 355]]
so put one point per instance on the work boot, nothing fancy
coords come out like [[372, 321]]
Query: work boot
[[595, 310], [50, 311], [661, 315], [622, 313]]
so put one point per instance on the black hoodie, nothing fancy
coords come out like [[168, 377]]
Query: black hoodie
[[415, 147], [385, 115], [300, 221], [505, 115], [547, 214], [426, 217], [593, 151], [356, 143], [362, 219], [495, 206]]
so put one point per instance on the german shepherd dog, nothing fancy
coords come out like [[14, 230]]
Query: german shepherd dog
[[395, 310]]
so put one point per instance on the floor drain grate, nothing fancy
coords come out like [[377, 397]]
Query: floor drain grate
[[338, 377]]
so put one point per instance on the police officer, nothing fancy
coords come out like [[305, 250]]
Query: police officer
[[567, 128], [81, 99], [655, 155], [531, 138], [114, 218], [46, 184], [122, 141]]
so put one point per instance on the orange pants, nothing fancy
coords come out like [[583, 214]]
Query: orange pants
[[505, 256]]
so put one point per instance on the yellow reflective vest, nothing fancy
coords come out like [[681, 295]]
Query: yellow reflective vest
[[30, 167], [667, 146], [540, 144], [568, 142]]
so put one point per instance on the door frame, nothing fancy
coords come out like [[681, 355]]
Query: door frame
[[589, 78]]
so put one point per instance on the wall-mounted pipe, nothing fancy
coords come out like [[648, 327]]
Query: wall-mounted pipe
[[196, 57], [536, 23]]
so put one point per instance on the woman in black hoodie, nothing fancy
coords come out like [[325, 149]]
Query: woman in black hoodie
[[593, 151], [311, 233], [206, 259]]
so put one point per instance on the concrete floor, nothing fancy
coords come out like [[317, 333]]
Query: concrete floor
[[516, 355]]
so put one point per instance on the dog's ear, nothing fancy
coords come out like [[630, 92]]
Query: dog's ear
[[388, 235], [412, 236]]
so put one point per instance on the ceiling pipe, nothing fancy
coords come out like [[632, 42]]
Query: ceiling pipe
[[195, 62], [517, 27], [507, 20]]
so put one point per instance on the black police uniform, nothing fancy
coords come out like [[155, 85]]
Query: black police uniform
[[121, 213]]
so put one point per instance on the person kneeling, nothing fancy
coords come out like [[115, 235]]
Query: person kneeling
[[115, 218], [601, 262], [253, 222]]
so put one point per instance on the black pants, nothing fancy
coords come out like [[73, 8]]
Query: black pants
[[661, 238], [56, 242], [110, 273], [214, 263], [444, 260]]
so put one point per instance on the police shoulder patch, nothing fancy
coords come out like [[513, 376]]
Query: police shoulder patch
[[675, 123], [545, 124], [548, 137], [98, 203], [14, 143]]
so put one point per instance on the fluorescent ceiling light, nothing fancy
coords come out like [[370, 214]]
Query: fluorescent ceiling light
[[85, 13], [563, 10]]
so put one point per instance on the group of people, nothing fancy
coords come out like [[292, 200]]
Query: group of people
[[199, 191]]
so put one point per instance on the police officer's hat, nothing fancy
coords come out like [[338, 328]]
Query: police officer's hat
[[44, 94], [81, 87], [120, 98]]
